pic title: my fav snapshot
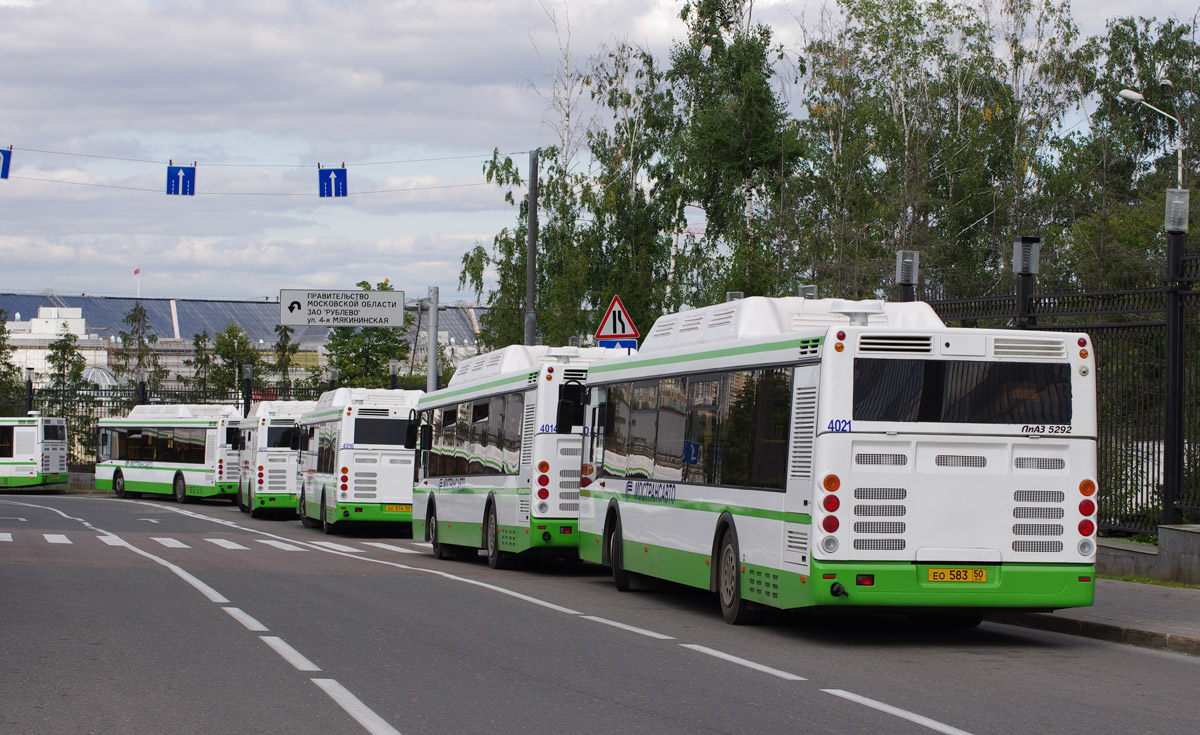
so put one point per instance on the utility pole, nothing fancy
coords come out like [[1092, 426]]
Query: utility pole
[[431, 342], [531, 251]]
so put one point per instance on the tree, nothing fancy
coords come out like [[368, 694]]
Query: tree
[[362, 355], [285, 352], [232, 348], [201, 364], [70, 394], [136, 353], [11, 390]]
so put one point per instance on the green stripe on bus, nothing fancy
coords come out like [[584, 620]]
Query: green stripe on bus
[[807, 343], [435, 400], [706, 507]]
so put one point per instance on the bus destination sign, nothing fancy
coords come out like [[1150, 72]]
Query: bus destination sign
[[316, 308]]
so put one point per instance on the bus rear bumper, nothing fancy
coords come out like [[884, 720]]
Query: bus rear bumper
[[270, 501], [389, 512]]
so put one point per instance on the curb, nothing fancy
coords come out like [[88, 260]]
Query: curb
[[1102, 631]]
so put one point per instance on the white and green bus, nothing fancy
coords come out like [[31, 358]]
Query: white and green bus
[[500, 454], [33, 450], [188, 451], [792, 453], [270, 458], [357, 457]]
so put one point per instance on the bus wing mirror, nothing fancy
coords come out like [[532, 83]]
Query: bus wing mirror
[[411, 436], [295, 442], [426, 437]]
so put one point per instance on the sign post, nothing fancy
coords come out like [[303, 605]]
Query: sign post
[[616, 328], [316, 308]]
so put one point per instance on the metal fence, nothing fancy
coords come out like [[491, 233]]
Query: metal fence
[[1129, 335]]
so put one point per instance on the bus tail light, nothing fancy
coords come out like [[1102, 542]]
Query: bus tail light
[[1087, 487], [831, 483], [865, 580], [543, 466], [543, 480], [829, 544], [831, 503], [1086, 507], [345, 487], [543, 493], [830, 524], [345, 470], [1086, 527]]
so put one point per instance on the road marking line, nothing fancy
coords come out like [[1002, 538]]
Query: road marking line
[[113, 540], [901, 713], [354, 707], [338, 547], [389, 547], [280, 544], [5, 537], [630, 628], [743, 662], [169, 542], [425, 545], [250, 623], [291, 655], [225, 543], [56, 538]]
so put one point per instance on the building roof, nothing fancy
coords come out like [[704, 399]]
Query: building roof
[[184, 318]]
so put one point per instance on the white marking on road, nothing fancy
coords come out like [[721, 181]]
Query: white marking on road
[[630, 628], [338, 547], [280, 544], [354, 707], [56, 538], [743, 662], [5, 537], [113, 540], [13, 518], [225, 543], [170, 543], [901, 713], [390, 547], [424, 545], [291, 655], [150, 520], [250, 623]]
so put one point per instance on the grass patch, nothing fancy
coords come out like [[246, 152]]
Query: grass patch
[[1150, 580]]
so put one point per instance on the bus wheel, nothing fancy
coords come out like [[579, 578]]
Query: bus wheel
[[329, 527], [241, 506], [431, 532], [254, 513], [497, 559], [180, 489], [302, 510], [118, 484], [616, 557], [734, 609]]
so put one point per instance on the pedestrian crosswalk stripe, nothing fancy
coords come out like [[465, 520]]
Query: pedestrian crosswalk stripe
[[56, 538], [425, 545], [280, 544], [113, 540], [390, 547], [225, 543], [170, 543], [5, 537], [338, 547]]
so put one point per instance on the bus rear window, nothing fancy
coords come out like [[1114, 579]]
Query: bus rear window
[[962, 391], [380, 431], [280, 437], [54, 433]]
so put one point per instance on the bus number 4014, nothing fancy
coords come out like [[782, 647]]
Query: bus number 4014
[[839, 425]]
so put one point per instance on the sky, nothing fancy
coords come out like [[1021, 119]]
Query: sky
[[412, 95]]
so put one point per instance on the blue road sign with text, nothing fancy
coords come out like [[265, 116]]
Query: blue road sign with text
[[611, 343], [5, 157], [181, 180], [331, 182]]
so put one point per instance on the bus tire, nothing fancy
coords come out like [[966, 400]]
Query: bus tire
[[734, 609], [302, 509], [329, 527], [254, 511], [616, 554], [118, 484], [431, 534], [180, 488], [241, 506], [496, 558]]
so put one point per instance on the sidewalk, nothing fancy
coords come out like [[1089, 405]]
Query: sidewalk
[[1147, 615]]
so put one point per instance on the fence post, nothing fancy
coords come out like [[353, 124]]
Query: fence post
[[906, 274], [28, 390], [1026, 253], [1176, 227]]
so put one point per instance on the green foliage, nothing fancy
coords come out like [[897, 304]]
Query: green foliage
[[285, 352], [362, 355], [12, 389], [136, 353], [69, 394], [233, 348], [201, 364]]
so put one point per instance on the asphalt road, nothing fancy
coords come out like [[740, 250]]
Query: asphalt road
[[150, 617]]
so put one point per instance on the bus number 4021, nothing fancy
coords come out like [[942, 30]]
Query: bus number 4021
[[839, 425]]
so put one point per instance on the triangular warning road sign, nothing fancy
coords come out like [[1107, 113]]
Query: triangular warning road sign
[[616, 323]]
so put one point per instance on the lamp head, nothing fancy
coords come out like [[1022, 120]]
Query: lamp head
[[1129, 94], [1166, 87]]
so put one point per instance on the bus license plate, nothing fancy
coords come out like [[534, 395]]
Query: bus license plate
[[398, 508], [942, 574]]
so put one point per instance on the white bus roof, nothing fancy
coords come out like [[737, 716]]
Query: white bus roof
[[281, 409], [757, 317], [516, 358], [164, 412], [341, 397]]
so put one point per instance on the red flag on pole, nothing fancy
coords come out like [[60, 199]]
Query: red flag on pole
[[137, 271]]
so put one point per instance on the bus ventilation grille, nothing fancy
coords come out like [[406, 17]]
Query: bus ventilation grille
[[888, 343], [523, 505], [1037, 529], [576, 376], [1039, 496], [570, 452], [721, 318], [373, 412], [879, 527], [879, 544], [804, 424], [1038, 547], [1029, 347], [880, 493], [797, 541], [880, 511], [527, 433], [959, 460], [881, 459], [1040, 463], [1037, 513], [691, 322]]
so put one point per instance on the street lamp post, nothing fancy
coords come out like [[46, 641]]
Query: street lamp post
[[28, 390], [393, 369], [1175, 223], [247, 380]]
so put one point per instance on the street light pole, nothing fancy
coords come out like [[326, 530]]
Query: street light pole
[[28, 390], [1133, 96]]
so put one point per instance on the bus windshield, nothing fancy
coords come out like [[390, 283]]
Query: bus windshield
[[280, 437], [961, 391], [390, 432], [54, 433]]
